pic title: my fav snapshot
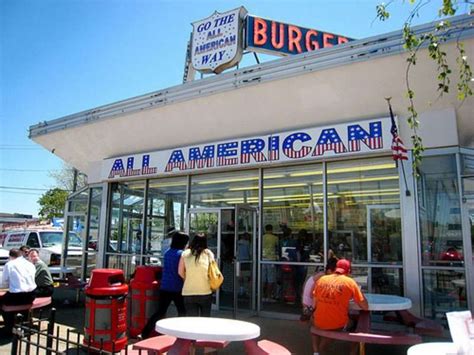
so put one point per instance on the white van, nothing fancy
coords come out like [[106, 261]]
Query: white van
[[49, 243]]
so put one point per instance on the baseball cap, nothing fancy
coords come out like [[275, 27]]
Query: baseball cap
[[343, 266]]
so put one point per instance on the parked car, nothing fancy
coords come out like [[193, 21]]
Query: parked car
[[49, 243], [4, 257]]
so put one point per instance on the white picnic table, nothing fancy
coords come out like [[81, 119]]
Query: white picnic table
[[379, 302], [433, 349], [189, 329], [208, 328]]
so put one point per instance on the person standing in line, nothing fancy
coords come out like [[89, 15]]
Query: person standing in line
[[332, 295], [193, 268], [171, 283], [43, 278], [269, 252], [19, 277]]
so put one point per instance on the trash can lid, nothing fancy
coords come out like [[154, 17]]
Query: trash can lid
[[147, 273], [106, 278]]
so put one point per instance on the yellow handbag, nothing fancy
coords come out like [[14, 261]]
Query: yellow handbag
[[215, 275]]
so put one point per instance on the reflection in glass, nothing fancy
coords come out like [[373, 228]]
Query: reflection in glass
[[468, 199], [125, 233], [282, 297], [467, 166], [440, 213], [165, 213], [364, 210], [387, 281], [75, 237], [206, 223], [78, 202], [245, 231], [224, 189], [444, 291], [127, 263], [91, 245], [360, 275], [293, 209]]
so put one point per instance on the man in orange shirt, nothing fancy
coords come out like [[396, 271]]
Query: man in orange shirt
[[332, 295]]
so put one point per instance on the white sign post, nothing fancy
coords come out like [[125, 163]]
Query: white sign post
[[217, 41]]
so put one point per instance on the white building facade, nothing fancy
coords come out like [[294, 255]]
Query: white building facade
[[301, 144]]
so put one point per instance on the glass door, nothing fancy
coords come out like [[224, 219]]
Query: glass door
[[208, 222], [245, 251], [234, 254]]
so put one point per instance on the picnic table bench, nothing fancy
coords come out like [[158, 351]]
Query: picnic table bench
[[9, 311], [420, 325], [364, 335]]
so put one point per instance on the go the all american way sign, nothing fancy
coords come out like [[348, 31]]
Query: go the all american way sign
[[217, 41], [310, 144]]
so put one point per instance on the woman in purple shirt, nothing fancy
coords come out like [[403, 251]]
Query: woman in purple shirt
[[171, 283]]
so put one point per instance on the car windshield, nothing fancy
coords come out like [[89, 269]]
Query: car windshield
[[49, 239]]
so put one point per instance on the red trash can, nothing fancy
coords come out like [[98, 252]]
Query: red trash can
[[106, 310], [144, 289]]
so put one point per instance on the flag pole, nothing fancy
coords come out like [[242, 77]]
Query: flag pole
[[407, 191]]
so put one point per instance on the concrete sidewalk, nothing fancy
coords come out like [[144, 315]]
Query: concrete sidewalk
[[292, 334]]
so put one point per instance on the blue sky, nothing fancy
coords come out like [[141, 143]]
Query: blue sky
[[61, 57]]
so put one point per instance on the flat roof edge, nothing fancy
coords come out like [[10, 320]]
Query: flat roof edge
[[348, 53]]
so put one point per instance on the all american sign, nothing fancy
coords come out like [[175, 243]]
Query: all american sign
[[311, 144]]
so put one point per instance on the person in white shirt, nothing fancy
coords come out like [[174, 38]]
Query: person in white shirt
[[19, 277]]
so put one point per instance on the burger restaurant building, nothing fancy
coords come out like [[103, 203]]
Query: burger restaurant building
[[299, 147]]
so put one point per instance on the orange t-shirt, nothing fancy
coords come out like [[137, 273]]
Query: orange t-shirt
[[332, 294]]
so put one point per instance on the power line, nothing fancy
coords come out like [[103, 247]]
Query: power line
[[21, 193], [28, 170], [20, 148], [22, 188]]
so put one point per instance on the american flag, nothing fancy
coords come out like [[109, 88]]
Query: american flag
[[176, 161], [206, 159], [329, 140], [288, 145], [273, 148], [252, 147], [399, 151], [373, 138], [223, 151]]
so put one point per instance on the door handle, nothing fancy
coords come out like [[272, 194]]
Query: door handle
[[237, 268]]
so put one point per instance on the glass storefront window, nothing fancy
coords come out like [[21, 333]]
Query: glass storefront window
[[125, 233], [78, 203], [360, 275], [89, 258], [440, 212], [388, 281], [364, 222], [444, 291], [467, 166], [293, 212], [166, 208], [224, 189]]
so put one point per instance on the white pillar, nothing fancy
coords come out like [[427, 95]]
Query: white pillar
[[410, 239]]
